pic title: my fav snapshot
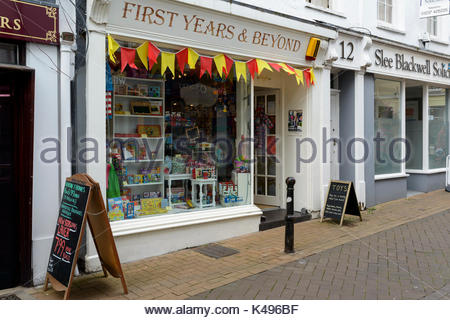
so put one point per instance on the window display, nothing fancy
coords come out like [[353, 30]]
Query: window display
[[388, 126], [438, 127], [177, 142]]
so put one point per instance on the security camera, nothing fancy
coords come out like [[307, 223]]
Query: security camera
[[425, 37]]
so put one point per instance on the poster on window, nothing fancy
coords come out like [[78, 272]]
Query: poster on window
[[434, 8], [295, 121]]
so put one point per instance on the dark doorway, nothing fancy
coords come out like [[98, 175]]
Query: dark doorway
[[16, 160]]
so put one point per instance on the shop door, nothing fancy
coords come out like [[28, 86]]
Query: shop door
[[334, 135], [9, 216], [267, 148]]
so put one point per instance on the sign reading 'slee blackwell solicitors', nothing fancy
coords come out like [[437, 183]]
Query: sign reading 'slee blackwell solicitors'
[[176, 23], [409, 64], [29, 21]]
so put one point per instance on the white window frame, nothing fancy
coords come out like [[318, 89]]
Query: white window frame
[[329, 4], [402, 173], [433, 26], [386, 5]]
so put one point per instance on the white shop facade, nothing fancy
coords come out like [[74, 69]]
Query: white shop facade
[[395, 98], [195, 130]]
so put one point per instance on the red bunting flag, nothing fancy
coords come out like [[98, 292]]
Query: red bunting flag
[[127, 56], [182, 58], [229, 62], [275, 66], [153, 53], [252, 67], [205, 65], [307, 77]]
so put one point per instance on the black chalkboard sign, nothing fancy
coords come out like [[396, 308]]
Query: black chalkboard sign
[[69, 227], [341, 200], [82, 201]]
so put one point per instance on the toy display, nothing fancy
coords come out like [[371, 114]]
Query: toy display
[[115, 206], [143, 176], [228, 193]]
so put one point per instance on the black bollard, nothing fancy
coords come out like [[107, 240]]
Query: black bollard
[[289, 235]]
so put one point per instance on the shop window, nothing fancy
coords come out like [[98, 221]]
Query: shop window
[[414, 127], [438, 127], [9, 53], [432, 26], [177, 143], [388, 127], [320, 3], [385, 11]]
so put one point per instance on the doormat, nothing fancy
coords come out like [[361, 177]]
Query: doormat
[[10, 297], [216, 251]]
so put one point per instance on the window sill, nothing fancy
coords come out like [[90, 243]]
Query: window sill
[[430, 171], [326, 10], [435, 39], [390, 27], [390, 176], [185, 219]]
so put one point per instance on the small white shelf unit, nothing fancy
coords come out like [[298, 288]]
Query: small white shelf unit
[[127, 124]]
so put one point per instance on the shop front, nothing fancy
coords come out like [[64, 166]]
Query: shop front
[[202, 115], [395, 100]]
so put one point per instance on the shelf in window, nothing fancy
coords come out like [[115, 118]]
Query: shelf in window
[[137, 97], [137, 116], [143, 184], [143, 161]]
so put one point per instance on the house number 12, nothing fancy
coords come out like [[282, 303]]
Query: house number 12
[[350, 50]]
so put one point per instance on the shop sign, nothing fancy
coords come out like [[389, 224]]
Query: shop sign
[[171, 22], [29, 21], [434, 8], [409, 64]]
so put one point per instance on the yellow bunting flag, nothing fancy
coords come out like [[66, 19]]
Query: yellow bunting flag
[[313, 76], [192, 58], [262, 65], [286, 68], [220, 64], [142, 52], [167, 61], [113, 46], [241, 70], [299, 76]]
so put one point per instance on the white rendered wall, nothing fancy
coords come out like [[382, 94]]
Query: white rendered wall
[[45, 175]]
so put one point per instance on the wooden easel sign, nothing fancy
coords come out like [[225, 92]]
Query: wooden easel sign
[[341, 200], [82, 200]]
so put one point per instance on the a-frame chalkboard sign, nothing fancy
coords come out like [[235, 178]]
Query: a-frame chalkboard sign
[[82, 200], [341, 200]]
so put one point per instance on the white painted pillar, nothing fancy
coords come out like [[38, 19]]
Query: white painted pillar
[[325, 123], [359, 147], [66, 55], [426, 129], [95, 126]]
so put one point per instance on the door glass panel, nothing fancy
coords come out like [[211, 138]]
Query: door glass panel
[[271, 166], [272, 129], [261, 166], [261, 186], [271, 145], [271, 104], [271, 187], [260, 102]]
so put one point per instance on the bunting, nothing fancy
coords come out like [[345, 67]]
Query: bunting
[[205, 66], [153, 53], [142, 52], [241, 70], [113, 46], [262, 65], [252, 67], [167, 61], [127, 57], [148, 54], [192, 58], [221, 64], [182, 58]]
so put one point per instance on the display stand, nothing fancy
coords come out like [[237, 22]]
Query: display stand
[[201, 183], [176, 177]]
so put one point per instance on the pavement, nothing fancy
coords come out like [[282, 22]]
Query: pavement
[[401, 250]]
